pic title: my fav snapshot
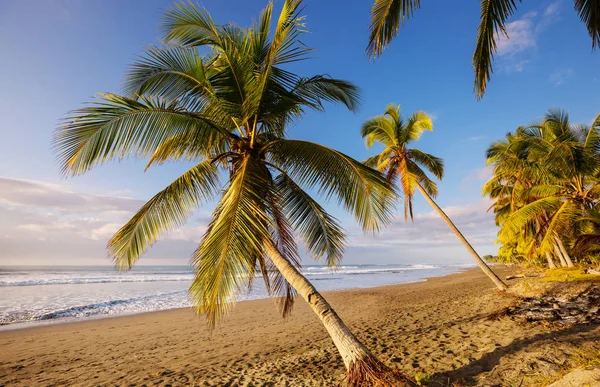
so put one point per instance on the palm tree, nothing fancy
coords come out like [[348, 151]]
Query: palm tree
[[399, 161], [559, 183], [388, 15], [227, 112]]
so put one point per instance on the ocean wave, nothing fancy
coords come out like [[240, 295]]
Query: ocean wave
[[129, 305], [357, 270], [66, 280]]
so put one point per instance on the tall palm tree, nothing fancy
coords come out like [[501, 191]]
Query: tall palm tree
[[400, 161], [388, 15], [227, 111]]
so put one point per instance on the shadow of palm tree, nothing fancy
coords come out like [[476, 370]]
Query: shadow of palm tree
[[467, 374]]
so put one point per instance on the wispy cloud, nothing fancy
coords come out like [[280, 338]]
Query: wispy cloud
[[515, 50], [482, 174], [428, 239], [473, 138], [44, 223], [560, 76]]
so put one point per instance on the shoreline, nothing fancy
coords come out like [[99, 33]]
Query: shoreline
[[439, 326], [69, 320]]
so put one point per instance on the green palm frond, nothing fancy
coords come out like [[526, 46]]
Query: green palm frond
[[361, 190], [415, 126], [494, 14], [172, 73], [193, 144], [589, 12], [386, 18], [233, 242], [166, 211], [519, 218], [321, 232], [117, 127], [379, 129], [434, 164], [314, 90], [283, 236], [418, 175], [190, 25]]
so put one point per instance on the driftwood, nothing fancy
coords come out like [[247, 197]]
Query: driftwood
[[523, 276], [584, 309]]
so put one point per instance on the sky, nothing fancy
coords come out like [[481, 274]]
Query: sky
[[57, 54]]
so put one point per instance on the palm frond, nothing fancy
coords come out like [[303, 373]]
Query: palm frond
[[166, 211], [379, 129], [174, 73], [190, 25], [589, 12], [321, 232], [494, 14], [116, 127], [360, 189], [233, 242], [415, 126], [386, 18], [315, 90], [433, 164]]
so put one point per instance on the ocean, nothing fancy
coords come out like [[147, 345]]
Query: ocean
[[41, 295]]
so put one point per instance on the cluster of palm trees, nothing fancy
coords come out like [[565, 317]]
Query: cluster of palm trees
[[546, 192], [220, 96]]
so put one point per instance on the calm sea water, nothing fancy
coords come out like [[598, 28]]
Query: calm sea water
[[40, 295]]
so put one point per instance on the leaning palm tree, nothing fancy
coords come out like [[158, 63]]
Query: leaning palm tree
[[406, 164], [388, 15], [227, 112]]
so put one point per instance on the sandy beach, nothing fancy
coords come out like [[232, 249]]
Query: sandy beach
[[440, 326]]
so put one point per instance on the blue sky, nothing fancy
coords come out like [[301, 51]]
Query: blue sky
[[58, 54]]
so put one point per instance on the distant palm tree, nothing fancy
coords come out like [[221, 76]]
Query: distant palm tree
[[399, 161], [388, 15], [228, 110]]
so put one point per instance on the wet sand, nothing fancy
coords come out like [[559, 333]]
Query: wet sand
[[439, 327]]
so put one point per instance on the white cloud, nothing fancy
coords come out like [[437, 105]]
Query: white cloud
[[482, 174], [430, 239], [558, 77], [515, 49], [49, 224]]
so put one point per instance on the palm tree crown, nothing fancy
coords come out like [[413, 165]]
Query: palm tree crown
[[398, 160], [227, 110]]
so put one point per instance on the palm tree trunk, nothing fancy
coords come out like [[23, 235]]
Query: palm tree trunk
[[363, 368], [561, 259], [486, 269], [562, 249], [551, 264]]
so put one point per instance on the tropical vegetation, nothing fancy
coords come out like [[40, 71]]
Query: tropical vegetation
[[219, 96], [406, 166], [546, 192], [388, 15]]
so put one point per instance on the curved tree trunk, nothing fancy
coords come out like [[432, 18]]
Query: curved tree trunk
[[551, 264], [561, 259], [562, 249], [486, 269], [363, 369]]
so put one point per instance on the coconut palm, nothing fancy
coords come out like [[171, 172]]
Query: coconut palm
[[565, 187], [400, 161], [227, 112], [388, 15]]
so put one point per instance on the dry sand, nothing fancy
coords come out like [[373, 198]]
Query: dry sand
[[439, 327]]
